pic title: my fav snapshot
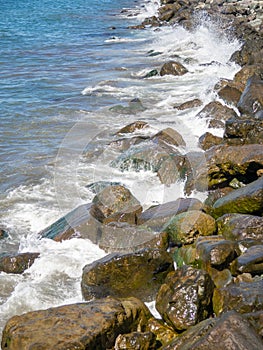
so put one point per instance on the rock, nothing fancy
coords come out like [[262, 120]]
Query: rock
[[17, 263], [217, 254], [168, 136], [216, 111], [3, 233], [249, 262], [221, 278], [152, 73], [246, 72], [134, 107], [186, 227], [245, 200], [208, 140], [77, 223], [124, 143], [81, 326], [156, 217], [185, 298], [251, 100], [230, 93], [136, 341], [98, 186], [164, 334], [244, 130], [221, 164], [229, 331], [186, 255], [256, 319], [121, 237], [240, 226], [135, 126], [242, 297], [173, 68], [115, 203], [189, 104], [138, 274], [214, 195]]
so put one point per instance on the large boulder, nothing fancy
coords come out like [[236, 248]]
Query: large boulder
[[208, 140], [216, 111], [173, 68], [169, 136], [229, 331], [115, 203], [251, 261], [242, 297], [244, 131], [138, 274], [245, 200], [240, 226], [17, 263], [186, 227], [157, 216], [185, 297], [81, 326]]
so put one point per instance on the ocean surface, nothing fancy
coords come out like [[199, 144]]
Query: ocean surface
[[63, 65]]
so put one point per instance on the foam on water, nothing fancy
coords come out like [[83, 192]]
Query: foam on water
[[54, 278]]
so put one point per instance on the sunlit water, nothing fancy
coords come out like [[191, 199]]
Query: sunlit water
[[63, 66]]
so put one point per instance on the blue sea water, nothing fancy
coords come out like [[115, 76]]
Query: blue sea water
[[63, 65]]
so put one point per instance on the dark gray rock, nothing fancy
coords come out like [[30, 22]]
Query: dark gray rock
[[251, 261], [173, 68]]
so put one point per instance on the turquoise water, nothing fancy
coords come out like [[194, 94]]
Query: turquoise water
[[49, 52]]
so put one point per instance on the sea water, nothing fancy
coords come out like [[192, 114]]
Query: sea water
[[63, 66]]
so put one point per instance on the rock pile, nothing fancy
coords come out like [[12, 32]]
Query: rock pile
[[201, 262]]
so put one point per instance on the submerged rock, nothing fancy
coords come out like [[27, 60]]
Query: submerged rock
[[229, 331], [17, 263], [135, 106], [185, 297], [81, 326], [138, 274]]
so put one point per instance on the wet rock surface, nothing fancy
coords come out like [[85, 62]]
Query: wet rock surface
[[17, 263], [120, 275]]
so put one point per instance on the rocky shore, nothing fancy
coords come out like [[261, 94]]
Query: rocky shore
[[201, 262]]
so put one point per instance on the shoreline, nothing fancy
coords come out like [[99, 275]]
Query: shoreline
[[210, 243]]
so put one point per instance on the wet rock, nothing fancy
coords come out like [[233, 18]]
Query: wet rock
[[168, 136], [242, 297], [216, 254], [138, 274], [186, 255], [121, 237], [134, 107], [251, 261], [247, 72], [93, 325], [222, 163], [209, 140], [152, 73], [216, 111], [245, 200], [124, 144], [221, 278], [77, 223], [164, 334], [173, 68], [244, 130], [135, 126], [186, 227], [229, 331], [214, 195], [17, 263], [251, 100], [156, 217], [230, 93], [240, 226], [256, 319], [189, 104], [136, 341], [115, 203], [3, 233], [98, 186], [185, 297]]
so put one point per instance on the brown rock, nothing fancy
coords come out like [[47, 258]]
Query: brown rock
[[136, 341], [215, 110], [93, 325], [251, 261], [138, 274], [244, 131], [138, 125], [251, 100], [173, 68], [185, 297], [189, 104], [230, 93], [168, 136], [209, 140], [17, 263], [115, 203]]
